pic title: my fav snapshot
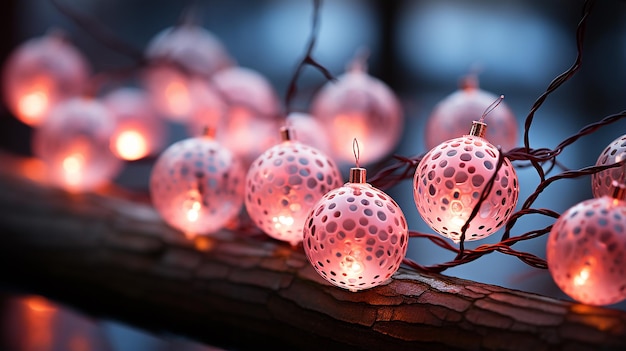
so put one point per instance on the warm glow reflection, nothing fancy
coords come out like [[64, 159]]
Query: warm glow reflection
[[282, 221], [72, 168], [131, 145], [582, 277], [32, 106], [178, 99]]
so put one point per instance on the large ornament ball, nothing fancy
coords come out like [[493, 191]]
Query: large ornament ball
[[41, 72], [601, 182], [197, 186], [448, 184], [356, 237], [284, 183], [359, 106], [73, 141], [451, 116], [586, 251]]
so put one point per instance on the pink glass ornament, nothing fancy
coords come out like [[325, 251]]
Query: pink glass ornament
[[180, 56], [451, 115], [613, 153], [448, 183], [139, 132], [586, 251], [197, 186], [309, 131], [41, 72], [284, 183], [359, 106], [73, 141], [356, 235]]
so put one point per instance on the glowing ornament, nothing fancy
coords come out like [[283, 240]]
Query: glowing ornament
[[252, 108], [356, 235], [284, 183], [179, 56], [139, 132], [197, 185], [586, 250], [73, 141], [359, 106], [451, 115], [601, 182], [41, 72], [450, 179]]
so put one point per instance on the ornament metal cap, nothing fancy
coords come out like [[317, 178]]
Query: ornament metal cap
[[478, 129], [358, 175], [619, 190], [208, 132], [286, 133]]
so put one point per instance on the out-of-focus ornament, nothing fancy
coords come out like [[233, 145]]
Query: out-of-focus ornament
[[139, 131], [73, 141], [179, 56], [197, 185], [356, 236], [601, 182], [586, 249], [309, 131], [284, 183], [252, 111], [451, 115], [450, 179], [41, 72], [359, 106]]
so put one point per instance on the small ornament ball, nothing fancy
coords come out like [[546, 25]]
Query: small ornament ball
[[356, 236], [613, 153], [448, 184], [197, 186], [586, 251], [73, 142], [284, 183]]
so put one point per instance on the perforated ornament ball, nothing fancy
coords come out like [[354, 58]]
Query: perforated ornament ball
[[586, 250], [601, 182], [356, 236], [197, 185], [284, 183], [450, 179]]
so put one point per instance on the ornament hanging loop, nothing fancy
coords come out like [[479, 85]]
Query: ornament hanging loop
[[356, 151], [357, 174], [491, 108]]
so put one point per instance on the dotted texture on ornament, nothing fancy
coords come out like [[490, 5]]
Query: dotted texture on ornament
[[613, 153], [449, 181], [586, 251], [283, 184], [197, 186], [356, 237]]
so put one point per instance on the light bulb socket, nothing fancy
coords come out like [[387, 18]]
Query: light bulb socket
[[358, 175], [287, 133], [619, 190], [478, 129]]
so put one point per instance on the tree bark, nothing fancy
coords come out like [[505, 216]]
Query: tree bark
[[113, 257]]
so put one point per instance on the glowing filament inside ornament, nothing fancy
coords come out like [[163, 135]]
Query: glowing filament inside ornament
[[351, 265], [72, 167], [282, 221], [33, 105], [131, 145], [192, 207], [582, 277]]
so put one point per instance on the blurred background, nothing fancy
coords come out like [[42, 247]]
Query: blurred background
[[420, 49]]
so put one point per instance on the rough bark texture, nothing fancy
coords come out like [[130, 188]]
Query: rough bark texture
[[114, 258]]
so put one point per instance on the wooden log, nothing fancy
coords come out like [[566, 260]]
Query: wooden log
[[113, 257]]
